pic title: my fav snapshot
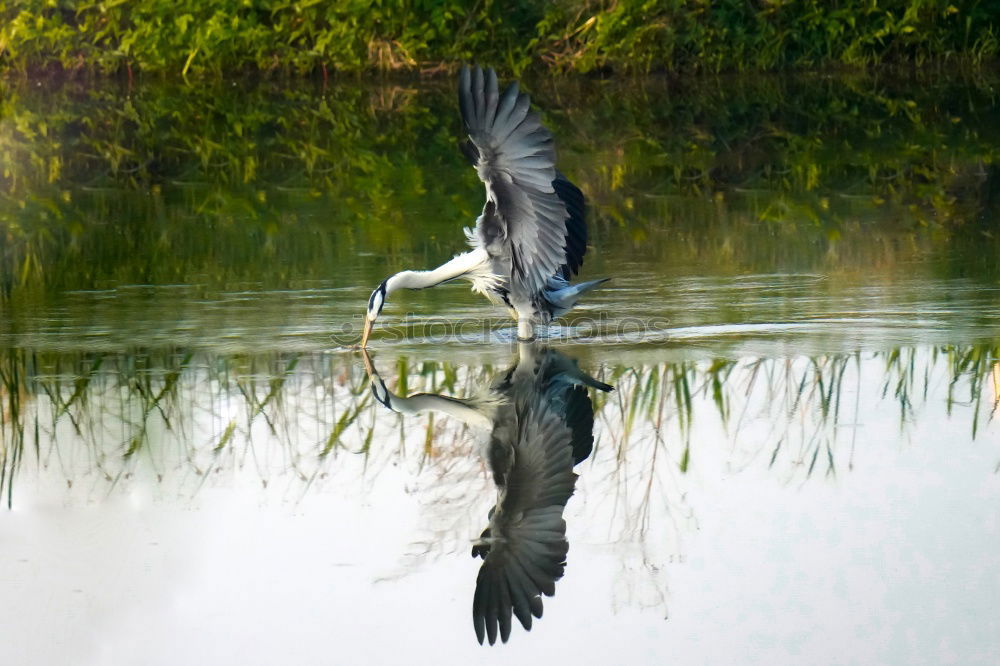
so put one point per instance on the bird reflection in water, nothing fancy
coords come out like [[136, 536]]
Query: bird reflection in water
[[537, 422]]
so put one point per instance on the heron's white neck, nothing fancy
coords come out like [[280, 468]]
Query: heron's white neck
[[463, 264], [458, 409]]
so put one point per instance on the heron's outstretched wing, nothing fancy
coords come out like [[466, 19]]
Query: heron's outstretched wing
[[527, 547], [532, 213]]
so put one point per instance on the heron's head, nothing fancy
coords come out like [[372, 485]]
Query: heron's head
[[375, 304], [379, 389]]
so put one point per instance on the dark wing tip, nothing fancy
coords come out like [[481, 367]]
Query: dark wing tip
[[470, 151], [576, 224], [465, 102], [579, 416], [479, 622], [477, 97]]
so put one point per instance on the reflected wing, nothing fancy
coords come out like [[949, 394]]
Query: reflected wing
[[580, 419], [532, 212], [565, 386], [527, 534]]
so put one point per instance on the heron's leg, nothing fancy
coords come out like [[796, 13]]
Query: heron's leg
[[528, 354], [525, 329]]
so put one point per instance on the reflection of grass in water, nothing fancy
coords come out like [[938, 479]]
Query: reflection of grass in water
[[974, 361], [802, 399], [114, 415], [11, 425]]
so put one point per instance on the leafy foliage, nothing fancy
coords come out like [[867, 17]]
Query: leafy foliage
[[215, 36], [717, 35], [111, 183]]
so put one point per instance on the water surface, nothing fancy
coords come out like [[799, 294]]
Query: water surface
[[800, 461]]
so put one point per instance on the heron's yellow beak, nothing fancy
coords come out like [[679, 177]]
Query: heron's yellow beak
[[369, 367], [368, 330]]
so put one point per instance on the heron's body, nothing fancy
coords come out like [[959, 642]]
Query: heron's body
[[538, 423], [531, 236]]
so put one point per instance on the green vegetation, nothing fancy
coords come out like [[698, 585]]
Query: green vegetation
[[310, 36], [154, 184], [99, 419], [271, 185]]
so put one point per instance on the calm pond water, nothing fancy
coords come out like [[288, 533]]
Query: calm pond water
[[799, 462]]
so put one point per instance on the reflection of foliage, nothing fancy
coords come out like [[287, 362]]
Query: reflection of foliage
[[195, 36], [173, 412], [817, 153], [161, 182], [211, 181]]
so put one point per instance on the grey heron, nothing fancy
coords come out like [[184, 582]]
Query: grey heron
[[537, 420], [531, 236]]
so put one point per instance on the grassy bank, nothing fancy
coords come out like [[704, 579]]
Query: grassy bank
[[220, 36]]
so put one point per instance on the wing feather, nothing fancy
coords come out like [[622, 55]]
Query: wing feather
[[539, 213], [478, 96], [544, 428], [528, 547], [506, 120]]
